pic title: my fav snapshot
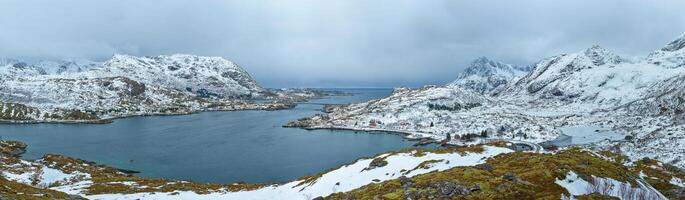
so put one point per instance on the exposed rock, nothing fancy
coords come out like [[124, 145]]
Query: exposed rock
[[678, 192], [406, 182], [17, 112], [377, 162], [78, 115], [484, 167], [449, 189], [557, 92], [510, 177], [675, 45], [12, 148]]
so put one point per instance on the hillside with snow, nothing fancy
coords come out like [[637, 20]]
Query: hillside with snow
[[194, 75], [86, 91], [595, 88], [492, 171]]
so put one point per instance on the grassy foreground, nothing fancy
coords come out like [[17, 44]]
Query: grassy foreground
[[522, 175], [517, 175]]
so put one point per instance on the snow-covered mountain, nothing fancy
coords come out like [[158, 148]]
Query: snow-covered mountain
[[16, 70], [433, 112], [594, 76], [66, 66], [484, 75], [195, 75], [656, 121], [671, 56], [124, 86], [54, 66], [644, 99]]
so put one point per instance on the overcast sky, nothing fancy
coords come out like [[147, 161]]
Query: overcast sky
[[324, 43]]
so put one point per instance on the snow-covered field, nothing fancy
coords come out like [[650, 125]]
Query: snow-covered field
[[607, 186], [345, 178]]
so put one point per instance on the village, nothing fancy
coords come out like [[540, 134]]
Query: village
[[489, 135]]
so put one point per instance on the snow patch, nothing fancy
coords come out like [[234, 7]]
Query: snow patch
[[343, 179]]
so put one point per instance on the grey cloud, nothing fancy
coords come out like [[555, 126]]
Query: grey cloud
[[337, 43]]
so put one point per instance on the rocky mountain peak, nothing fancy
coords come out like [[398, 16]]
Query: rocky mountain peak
[[482, 61], [121, 57], [484, 75], [201, 75], [600, 56], [670, 56], [675, 45], [484, 66]]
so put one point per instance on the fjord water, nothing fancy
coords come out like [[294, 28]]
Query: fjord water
[[216, 147]]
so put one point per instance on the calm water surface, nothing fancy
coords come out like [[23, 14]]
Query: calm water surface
[[216, 147]]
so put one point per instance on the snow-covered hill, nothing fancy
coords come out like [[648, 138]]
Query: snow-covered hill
[[45, 67], [195, 75], [128, 85], [595, 75], [434, 112], [18, 70], [656, 121], [484, 75], [671, 56], [66, 66], [592, 88]]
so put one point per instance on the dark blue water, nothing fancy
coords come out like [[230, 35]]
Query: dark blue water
[[216, 147]]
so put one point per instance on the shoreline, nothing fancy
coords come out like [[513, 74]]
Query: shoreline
[[111, 119], [416, 136], [412, 136], [274, 107]]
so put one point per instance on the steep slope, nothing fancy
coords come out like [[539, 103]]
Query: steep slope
[[594, 76], [656, 122], [672, 55], [484, 75], [195, 75]]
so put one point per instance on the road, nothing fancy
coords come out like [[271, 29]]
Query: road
[[536, 147]]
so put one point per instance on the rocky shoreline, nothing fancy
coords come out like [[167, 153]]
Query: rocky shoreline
[[248, 106], [420, 138]]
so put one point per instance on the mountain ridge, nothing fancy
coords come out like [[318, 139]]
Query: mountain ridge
[[484, 75], [644, 100], [125, 85]]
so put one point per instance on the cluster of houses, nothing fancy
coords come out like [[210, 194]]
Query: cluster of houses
[[374, 123], [501, 132], [487, 133]]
